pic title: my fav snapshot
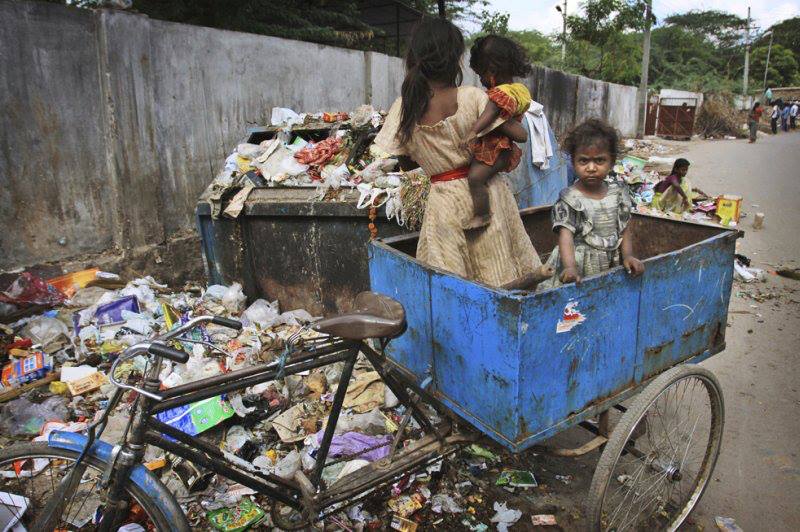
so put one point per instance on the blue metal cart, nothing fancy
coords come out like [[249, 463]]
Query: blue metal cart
[[521, 367]]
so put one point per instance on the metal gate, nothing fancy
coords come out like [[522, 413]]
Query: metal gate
[[676, 121]]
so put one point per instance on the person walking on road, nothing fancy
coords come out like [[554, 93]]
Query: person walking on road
[[774, 117], [753, 119], [793, 115], [785, 112], [768, 96]]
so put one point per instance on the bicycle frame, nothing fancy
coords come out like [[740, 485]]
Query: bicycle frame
[[299, 493]]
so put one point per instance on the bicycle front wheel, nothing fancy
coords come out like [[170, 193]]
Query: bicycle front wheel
[[31, 472]]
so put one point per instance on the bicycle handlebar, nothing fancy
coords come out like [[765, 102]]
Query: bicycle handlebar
[[157, 347]]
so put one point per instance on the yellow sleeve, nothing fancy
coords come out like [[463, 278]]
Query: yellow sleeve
[[387, 137]]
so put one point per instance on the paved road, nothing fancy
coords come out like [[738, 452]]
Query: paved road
[[757, 479]]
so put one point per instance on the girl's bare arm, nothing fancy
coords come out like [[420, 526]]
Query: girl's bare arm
[[566, 251]]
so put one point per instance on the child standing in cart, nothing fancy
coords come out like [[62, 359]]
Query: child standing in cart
[[591, 216], [497, 60]]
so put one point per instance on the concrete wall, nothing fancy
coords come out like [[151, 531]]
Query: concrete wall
[[113, 123]]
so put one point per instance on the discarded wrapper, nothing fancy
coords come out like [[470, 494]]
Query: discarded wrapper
[[402, 524], [516, 479], [543, 520], [87, 384], [237, 519]]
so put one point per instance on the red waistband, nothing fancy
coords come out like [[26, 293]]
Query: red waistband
[[458, 173]]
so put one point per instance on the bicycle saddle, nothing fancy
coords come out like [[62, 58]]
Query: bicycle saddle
[[374, 316]]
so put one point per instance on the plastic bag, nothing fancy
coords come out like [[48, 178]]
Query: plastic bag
[[27, 289], [353, 444], [250, 151], [283, 116], [505, 517], [44, 330], [234, 299], [377, 168], [288, 465], [262, 313], [21, 416]]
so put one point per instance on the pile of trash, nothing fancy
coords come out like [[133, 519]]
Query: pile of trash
[[57, 345], [717, 118], [328, 152], [642, 175], [644, 148]]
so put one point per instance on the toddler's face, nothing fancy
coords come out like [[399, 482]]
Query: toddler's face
[[592, 164]]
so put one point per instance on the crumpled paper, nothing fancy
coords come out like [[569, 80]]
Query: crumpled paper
[[365, 392]]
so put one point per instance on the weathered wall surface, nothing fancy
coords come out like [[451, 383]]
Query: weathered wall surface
[[113, 123]]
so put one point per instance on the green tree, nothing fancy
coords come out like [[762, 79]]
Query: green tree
[[722, 32], [600, 42], [539, 47], [783, 69], [683, 59], [786, 33], [496, 23], [334, 22]]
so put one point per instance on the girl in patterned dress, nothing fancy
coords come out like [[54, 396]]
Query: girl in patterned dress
[[591, 216], [497, 60]]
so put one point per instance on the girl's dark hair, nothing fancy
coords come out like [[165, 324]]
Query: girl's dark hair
[[679, 163], [499, 55], [434, 53], [592, 132], [756, 105]]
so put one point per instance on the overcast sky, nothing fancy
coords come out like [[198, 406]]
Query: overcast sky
[[541, 14]]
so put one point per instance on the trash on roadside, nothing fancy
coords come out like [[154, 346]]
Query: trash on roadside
[[504, 516], [516, 479], [402, 524], [727, 524], [25, 370], [21, 416], [477, 450], [244, 515], [543, 520], [197, 417], [746, 274], [443, 502], [365, 392], [12, 509]]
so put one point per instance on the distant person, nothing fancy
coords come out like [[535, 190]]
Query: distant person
[[785, 113], [774, 117], [753, 119], [768, 96], [793, 115], [674, 193]]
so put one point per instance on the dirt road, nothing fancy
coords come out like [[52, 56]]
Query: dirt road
[[757, 479]]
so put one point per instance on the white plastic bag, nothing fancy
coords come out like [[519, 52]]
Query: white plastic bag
[[262, 313]]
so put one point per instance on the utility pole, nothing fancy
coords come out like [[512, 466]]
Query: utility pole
[[642, 96], [563, 12], [746, 55], [564, 35], [769, 51]]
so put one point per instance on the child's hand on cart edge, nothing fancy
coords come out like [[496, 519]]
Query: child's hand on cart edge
[[634, 266], [570, 275]]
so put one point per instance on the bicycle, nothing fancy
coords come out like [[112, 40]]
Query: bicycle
[[86, 465]]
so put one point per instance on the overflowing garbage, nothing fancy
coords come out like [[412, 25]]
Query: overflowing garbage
[[332, 153], [56, 348], [642, 175]]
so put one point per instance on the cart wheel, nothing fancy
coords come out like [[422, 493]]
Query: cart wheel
[[661, 454]]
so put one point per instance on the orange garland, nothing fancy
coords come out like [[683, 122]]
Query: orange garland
[[373, 231]]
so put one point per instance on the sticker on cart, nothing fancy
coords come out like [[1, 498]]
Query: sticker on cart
[[571, 318]]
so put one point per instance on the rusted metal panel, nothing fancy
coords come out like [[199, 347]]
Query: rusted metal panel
[[285, 246], [676, 121], [518, 368]]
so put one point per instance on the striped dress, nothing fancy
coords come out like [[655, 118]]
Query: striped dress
[[501, 253]]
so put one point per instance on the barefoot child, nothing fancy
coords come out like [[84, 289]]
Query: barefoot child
[[497, 60], [674, 193], [591, 216]]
